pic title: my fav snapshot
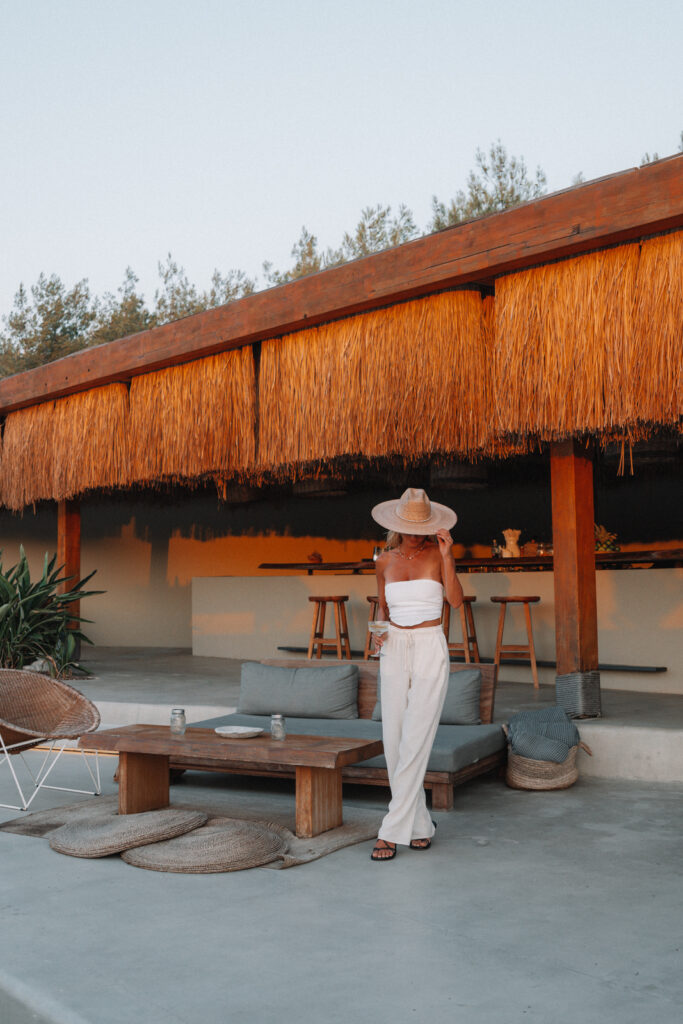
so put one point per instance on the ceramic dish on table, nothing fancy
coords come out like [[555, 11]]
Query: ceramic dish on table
[[237, 732]]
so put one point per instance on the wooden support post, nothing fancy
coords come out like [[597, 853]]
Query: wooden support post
[[576, 616], [69, 547]]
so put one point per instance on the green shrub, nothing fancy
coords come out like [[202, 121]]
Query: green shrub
[[35, 620]]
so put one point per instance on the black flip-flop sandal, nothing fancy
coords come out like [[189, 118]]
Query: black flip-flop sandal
[[424, 843], [387, 846]]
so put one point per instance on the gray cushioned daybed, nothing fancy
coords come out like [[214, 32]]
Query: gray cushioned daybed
[[339, 698]]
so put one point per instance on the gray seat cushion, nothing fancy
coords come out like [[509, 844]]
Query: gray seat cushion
[[455, 746], [329, 691]]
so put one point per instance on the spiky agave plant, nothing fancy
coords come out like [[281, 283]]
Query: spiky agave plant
[[36, 621]]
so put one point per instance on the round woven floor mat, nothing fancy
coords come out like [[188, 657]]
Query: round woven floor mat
[[222, 845], [100, 838]]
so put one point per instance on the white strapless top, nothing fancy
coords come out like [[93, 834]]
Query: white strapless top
[[413, 601]]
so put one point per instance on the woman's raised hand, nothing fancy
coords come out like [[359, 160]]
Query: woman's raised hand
[[445, 542]]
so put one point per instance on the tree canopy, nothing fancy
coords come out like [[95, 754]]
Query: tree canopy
[[376, 230], [51, 323], [498, 183]]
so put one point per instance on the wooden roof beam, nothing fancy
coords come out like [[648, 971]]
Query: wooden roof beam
[[618, 208]]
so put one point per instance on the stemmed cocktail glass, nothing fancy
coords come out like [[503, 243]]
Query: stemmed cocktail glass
[[378, 627]]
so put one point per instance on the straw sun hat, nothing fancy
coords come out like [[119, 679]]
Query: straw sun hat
[[414, 513]]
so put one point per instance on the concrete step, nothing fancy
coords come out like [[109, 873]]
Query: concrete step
[[637, 753], [638, 738]]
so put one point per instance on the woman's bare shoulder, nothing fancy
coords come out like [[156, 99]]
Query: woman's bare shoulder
[[385, 559]]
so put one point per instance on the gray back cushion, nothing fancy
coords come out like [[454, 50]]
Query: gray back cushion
[[329, 691], [461, 706]]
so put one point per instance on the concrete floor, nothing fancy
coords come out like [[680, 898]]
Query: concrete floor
[[12, 1011], [548, 907], [143, 674], [553, 907]]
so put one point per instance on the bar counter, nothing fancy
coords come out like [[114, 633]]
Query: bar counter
[[653, 559]]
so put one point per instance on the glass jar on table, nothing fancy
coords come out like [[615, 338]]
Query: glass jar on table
[[178, 722]]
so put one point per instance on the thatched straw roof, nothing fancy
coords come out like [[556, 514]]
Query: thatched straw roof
[[592, 345], [586, 345], [193, 420], [406, 381], [63, 448]]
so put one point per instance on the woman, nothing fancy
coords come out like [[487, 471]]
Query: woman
[[414, 573]]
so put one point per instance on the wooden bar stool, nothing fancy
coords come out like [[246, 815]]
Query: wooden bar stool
[[374, 603], [318, 640], [469, 646], [516, 650]]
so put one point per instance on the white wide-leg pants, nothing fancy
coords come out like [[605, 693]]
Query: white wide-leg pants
[[414, 670]]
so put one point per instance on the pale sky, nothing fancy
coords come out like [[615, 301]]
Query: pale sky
[[215, 130]]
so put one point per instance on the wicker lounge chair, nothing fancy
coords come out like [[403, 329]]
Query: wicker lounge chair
[[38, 711]]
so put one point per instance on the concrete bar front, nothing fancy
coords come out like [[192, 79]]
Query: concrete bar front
[[640, 619]]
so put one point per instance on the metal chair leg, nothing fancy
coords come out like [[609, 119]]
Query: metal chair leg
[[47, 765]]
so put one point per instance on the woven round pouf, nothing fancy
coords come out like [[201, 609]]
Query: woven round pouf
[[101, 838], [222, 845], [525, 773]]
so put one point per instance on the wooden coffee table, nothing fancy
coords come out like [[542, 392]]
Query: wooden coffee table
[[145, 752]]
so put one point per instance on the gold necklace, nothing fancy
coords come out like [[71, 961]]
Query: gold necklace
[[414, 555]]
